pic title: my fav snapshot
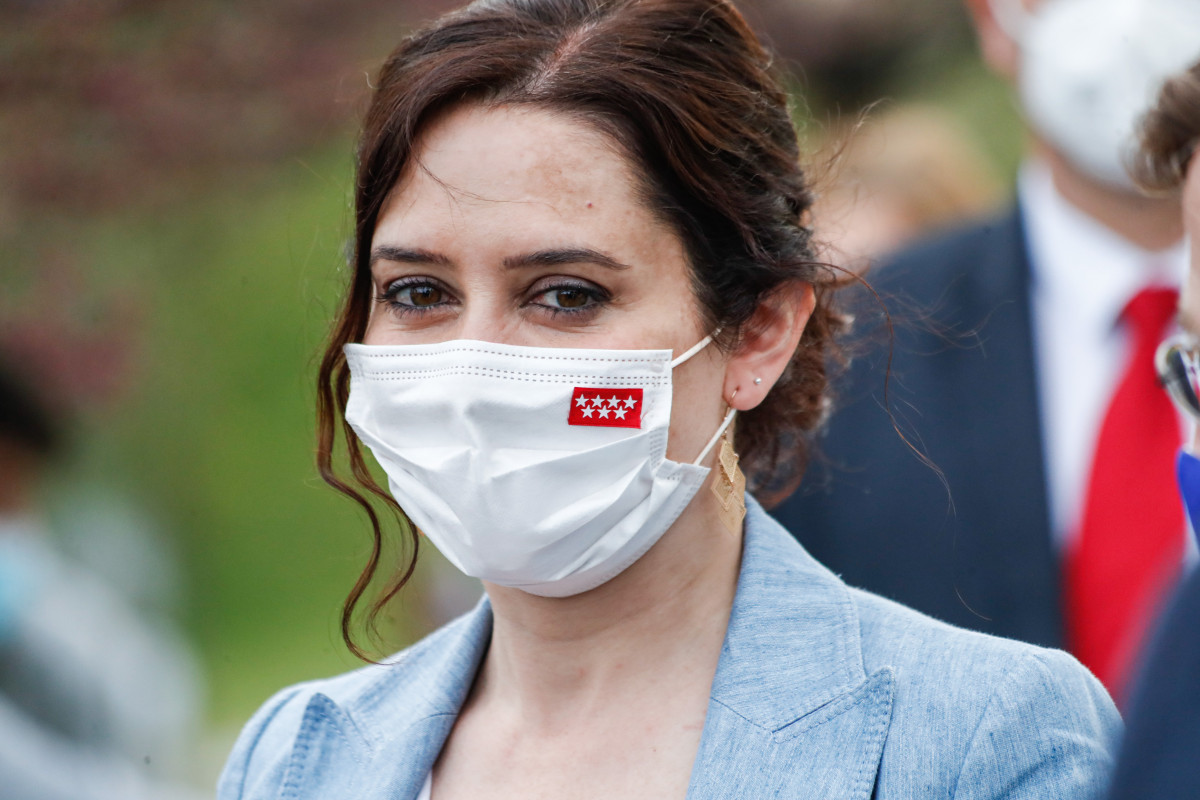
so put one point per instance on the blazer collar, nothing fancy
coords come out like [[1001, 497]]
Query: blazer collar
[[381, 733], [789, 685], [793, 640], [792, 711]]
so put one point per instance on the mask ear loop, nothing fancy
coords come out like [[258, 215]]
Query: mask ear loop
[[691, 351], [696, 348], [717, 436]]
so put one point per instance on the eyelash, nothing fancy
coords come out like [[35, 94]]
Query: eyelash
[[388, 296], [598, 297]]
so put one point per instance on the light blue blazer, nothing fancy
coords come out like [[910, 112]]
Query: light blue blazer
[[822, 691]]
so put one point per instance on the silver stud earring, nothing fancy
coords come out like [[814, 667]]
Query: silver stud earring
[[757, 381]]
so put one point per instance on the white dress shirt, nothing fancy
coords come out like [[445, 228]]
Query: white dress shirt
[[1083, 275]]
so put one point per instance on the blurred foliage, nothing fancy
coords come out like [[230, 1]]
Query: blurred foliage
[[174, 186], [115, 102], [216, 430]]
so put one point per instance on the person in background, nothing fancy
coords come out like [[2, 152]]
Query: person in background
[[1162, 741], [95, 703], [1029, 381], [903, 172]]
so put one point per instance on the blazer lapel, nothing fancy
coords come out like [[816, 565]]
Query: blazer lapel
[[792, 712], [384, 741], [328, 743]]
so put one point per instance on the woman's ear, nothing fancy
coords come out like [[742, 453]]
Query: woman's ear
[[769, 338]]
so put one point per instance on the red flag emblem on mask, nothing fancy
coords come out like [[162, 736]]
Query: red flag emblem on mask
[[607, 408]]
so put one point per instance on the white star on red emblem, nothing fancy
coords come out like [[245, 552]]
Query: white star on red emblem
[[587, 412], [604, 413], [630, 402], [620, 412], [582, 401]]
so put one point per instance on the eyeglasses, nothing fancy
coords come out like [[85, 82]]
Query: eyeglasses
[[1178, 364]]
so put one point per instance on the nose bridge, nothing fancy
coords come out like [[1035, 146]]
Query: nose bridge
[[486, 315], [484, 327]]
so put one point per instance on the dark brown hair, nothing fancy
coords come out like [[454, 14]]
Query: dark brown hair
[[687, 91], [1170, 132]]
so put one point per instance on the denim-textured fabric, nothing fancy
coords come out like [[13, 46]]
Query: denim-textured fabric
[[821, 691]]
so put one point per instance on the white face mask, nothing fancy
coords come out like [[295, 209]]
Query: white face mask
[[1091, 68], [539, 468]]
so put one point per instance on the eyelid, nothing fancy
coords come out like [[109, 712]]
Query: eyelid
[[405, 281], [388, 296], [552, 282], [598, 296]]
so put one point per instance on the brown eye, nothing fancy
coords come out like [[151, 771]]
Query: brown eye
[[423, 296], [416, 295], [571, 298]]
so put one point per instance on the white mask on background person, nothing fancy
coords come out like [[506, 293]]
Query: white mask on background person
[[1091, 68], [537, 468]]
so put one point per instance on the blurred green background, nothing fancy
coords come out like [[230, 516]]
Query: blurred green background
[[174, 192]]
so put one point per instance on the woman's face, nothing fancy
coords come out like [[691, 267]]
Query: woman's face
[[524, 227]]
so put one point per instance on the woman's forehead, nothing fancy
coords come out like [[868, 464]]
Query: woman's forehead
[[516, 154], [519, 177]]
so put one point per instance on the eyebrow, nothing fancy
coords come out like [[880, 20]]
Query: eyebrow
[[571, 255], [405, 255], [540, 258]]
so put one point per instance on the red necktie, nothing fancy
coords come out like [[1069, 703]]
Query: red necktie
[[1131, 540]]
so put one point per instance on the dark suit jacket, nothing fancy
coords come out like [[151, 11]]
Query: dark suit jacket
[[963, 389], [1162, 733]]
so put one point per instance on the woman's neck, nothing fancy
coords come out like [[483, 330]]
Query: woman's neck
[[657, 627]]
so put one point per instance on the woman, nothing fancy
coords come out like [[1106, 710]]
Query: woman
[[578, 257]]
